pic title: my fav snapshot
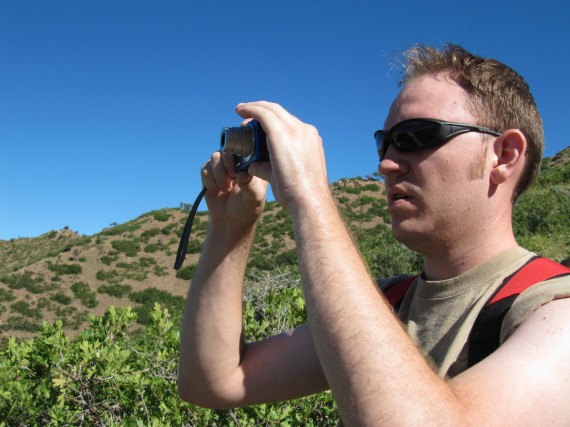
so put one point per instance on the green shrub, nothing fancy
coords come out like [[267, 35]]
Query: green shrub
[[27, 280], [6, 295], [19, 323], [63, 269], [153, 247], [129, 247], [61, 298], [108, 375], [111, 276], [108, 260], [161, 216], [116, 230], [148, 297], [186, 273], [83, 293], [24, 308], [386, 256], [150, 233], [116, 290]]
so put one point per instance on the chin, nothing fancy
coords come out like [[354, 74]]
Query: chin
[[414, 238]]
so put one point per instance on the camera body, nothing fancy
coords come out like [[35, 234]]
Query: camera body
[[248, 143]]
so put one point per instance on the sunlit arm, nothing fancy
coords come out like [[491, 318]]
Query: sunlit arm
[[217, 368]]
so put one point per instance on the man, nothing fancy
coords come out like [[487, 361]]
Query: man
[[452, 202]]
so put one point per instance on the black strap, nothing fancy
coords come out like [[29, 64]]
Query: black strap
[[183, 245]]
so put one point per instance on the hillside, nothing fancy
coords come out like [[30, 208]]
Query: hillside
[[66, 276]]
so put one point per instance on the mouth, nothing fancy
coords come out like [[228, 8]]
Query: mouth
[[397, 195]]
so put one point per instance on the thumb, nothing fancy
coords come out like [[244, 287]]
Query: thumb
[[251, 185], [261, 170]]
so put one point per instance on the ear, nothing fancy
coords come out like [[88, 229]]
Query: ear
[[509, 156]]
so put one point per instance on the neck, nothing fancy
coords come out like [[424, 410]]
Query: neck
[[471, 250]]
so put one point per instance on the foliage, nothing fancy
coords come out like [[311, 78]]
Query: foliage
[[386, 256], [117, 230], [112, 375], [61, 269], [27, 280], [150, 296], [83, 292], [128, 247], [186, 273], [115, 290]]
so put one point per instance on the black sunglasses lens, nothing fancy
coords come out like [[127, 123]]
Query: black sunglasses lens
[[381, 144], [414, 136]]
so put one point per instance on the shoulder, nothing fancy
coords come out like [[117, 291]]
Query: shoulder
[[529, 372], [532, 299]]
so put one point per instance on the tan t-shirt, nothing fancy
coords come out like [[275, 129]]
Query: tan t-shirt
[[439, 315]]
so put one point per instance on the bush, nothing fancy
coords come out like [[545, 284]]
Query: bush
[[82, 292], [27, 280], [116, 230], [386, 256], [111, 276], [129, 247], [116, 290], [150, 296], [161, 216], [61, 298], [6, 295], [24, 308], [62, 269], [186, 273], [108, 375]]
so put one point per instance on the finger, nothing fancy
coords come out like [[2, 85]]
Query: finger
[[208, 177], [264, 110], [223, 181], [229, 161]]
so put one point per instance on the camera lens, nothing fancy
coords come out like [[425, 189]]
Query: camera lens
[[238, 140]]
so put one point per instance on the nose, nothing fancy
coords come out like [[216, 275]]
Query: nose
[[392, 163]]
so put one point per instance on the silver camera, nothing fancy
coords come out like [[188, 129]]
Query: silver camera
[[247, 142]]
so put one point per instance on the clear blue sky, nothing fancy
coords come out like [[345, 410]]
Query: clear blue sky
[[109, 108]]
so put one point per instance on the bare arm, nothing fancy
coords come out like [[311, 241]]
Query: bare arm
[[376, 373], [217, 368]]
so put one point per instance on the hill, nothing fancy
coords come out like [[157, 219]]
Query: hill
[[66, 276]]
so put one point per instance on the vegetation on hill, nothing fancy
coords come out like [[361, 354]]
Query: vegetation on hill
[[90, 324]]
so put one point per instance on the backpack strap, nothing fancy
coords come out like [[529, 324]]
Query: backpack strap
[[485, 335], [396, 292]]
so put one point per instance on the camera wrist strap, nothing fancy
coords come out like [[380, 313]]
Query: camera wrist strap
[[183, 245]]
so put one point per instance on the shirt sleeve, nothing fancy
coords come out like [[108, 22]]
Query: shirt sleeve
[[530, 300]]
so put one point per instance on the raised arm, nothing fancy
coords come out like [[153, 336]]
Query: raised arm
[[217, 367], [376, 373]]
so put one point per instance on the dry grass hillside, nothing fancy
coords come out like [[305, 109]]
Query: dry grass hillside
[[62, 275]]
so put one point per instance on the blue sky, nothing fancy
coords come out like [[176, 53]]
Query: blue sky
[[109, 108]]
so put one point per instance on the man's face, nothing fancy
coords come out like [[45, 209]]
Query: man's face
[[436, 196]]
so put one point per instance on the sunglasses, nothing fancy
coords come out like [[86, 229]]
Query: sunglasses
[[419, 134]]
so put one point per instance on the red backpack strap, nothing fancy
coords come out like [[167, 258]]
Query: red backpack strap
[[396, 292], [535, 271], [485, 335]]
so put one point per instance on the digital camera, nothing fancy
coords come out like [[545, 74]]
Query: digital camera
[[247, 142]]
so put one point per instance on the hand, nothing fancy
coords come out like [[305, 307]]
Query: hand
[[233, 199], [297, 170]]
